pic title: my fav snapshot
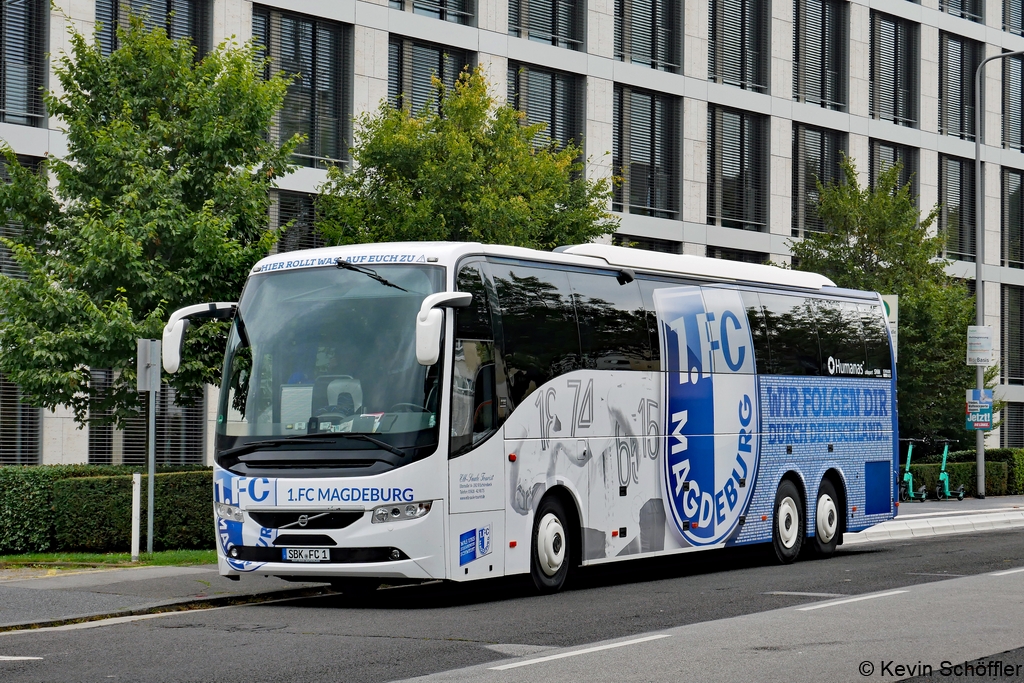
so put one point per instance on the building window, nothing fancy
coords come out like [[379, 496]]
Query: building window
[[740, 255], [957, 216], [894, 66], [455, 11], [23, 62], [968, 9], [958, 60], [180, 18], [737, 169], [410, 68], [317, 103], [556, 22], [1013, 16], [647, 32], [180, 431], [1012, 324], [647, 244], [1011, 433], [1013, 218], [820, 53], [738, 47], [887, 154], [549, 97], [645, 152], [1013, 102], [21, 433], [294, 212], [12, 230], [816, 157]]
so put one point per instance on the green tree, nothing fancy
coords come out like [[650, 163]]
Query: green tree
[[160, 202], [876, 239], [464, 170]]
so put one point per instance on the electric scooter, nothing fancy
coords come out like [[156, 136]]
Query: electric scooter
[[942, 491], [907, 491]]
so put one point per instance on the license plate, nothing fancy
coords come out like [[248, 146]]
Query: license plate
[[306, 554]]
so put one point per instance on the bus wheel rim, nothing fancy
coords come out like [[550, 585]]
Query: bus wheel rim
[[788, 522], [550, 544], [827, 518]]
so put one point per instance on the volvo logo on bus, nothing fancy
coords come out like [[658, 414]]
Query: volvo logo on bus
[[711, 410]]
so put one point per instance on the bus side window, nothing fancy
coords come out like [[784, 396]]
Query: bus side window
[[841, 337], [612, 322], [538, 323], [792, 335], [758, 330], [473, 396], [876, 339]]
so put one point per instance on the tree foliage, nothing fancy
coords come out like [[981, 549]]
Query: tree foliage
[[161, 201], [463, 170], [876, 239]]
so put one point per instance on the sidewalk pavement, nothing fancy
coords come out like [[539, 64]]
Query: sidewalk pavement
[[35, 597]]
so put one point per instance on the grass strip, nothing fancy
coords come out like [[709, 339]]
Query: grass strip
[[164, 558]]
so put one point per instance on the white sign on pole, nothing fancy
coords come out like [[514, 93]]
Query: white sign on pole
[[892, 314], [147, 368], [979, 345]]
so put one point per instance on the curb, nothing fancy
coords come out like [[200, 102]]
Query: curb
[[176, 606], [898, 530]]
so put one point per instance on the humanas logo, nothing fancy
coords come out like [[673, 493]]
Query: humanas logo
[[838, 367]]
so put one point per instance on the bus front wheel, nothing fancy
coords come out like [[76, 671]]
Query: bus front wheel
[[552, 553], [788, 522]]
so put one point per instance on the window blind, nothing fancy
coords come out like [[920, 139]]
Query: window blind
[[549, 97], [816, 156], [738, 46], [1013, 102], [957, 216], [737, 169], [455, 11], [180, 18], [893, 91], [647, 243], [1012, 324], [317, 104], [1013, 16], [12, 230], [820, 52], [298, 210], [645, 152], [1011, 432], [21, 433], [741, 255], [886, 154], [648, 32], [23, 67], [1013, 218], [958, 60], [411, 65], [967, 9], [556, 22]]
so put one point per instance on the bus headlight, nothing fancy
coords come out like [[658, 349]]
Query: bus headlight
[[232, 513], [397, 513]]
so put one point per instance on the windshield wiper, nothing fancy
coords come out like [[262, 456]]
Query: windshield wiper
[[284, 441], [372, 274], [377, 442]]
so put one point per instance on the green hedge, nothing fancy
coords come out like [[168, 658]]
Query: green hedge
[[961, 473], [94, 513], [27, 505]]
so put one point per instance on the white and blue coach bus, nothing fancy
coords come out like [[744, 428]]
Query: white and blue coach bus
[[457, 411]]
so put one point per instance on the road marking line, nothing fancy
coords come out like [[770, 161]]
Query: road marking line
[[807, 595], [1009, 571], [843, 602], [18, 659], [935, 574], [575, 653]]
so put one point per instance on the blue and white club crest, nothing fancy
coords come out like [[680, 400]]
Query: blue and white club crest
[[711, 410]]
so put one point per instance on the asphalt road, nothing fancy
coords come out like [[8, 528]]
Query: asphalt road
[[420, 630]]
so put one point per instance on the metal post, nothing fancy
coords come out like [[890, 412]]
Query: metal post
[[151, 452], [979, 238], [136, 513]]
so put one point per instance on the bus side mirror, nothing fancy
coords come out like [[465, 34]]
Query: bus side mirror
[[177, 325], [429, 320]]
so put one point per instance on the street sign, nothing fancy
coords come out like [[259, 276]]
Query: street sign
[[147, 368], [892, 314], [979, 409], [979, 345]]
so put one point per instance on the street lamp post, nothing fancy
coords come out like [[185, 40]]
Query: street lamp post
[[979, 238]]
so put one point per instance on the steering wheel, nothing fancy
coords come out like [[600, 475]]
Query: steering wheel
[[407, 408]]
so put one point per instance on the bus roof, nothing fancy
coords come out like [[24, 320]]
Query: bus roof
[[600, 255]]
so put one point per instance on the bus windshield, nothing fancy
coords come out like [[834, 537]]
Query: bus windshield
[[330, 351]]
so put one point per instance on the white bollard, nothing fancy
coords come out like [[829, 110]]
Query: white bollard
[[136, 513]]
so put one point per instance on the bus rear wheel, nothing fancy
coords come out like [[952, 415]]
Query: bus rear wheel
[[788, 522], [826, 520], [552, 553]]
